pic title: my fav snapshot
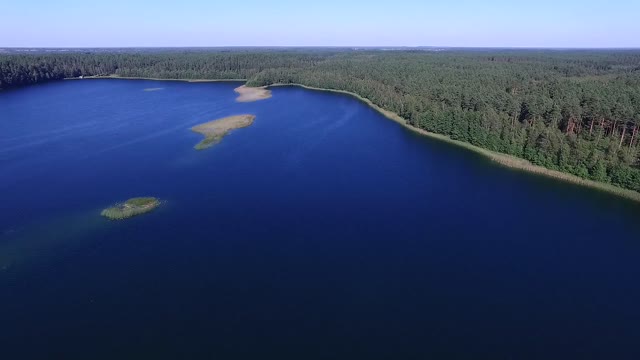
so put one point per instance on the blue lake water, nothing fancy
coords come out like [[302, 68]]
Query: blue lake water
[[322, 231]]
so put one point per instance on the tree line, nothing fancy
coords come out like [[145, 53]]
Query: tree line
[[573, 111]]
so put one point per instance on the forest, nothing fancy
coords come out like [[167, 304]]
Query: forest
[[576, 111]]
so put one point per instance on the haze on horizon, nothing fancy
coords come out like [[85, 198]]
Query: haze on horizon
[[461, 23]]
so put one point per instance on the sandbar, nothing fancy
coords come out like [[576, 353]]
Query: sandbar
[[215, 130], [250, 94]]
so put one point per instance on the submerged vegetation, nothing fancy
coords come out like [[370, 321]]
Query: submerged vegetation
[[215, 130], [131, 207], [576, 112]]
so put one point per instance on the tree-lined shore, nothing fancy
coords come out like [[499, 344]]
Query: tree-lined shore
[[573, 111]]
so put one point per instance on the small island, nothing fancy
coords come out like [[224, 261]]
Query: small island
[[132, 207], [215, 130], [153, 89], [250, 94]]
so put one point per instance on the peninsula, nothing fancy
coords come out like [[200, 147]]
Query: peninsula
[[215, 130], [250, 94], [131, 207]]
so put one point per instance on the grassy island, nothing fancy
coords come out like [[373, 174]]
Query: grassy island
[[131, 207], [250, 94], [215, 130]]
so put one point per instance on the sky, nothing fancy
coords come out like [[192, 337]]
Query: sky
[[457, 23]]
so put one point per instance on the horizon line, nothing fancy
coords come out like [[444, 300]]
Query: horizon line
[[329, 46]]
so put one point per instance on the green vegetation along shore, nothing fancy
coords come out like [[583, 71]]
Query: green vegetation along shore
[[215, 130], [132, 207], [113, 76], [502, 159], [572, 114]]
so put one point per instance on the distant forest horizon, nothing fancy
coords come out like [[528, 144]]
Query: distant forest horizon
[[345, 47]]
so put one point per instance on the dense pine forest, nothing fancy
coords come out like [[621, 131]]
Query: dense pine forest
[[573, 111]]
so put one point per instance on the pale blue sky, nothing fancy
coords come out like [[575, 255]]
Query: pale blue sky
[[489, 23]]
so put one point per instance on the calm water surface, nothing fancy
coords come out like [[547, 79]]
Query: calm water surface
[[321, 231]]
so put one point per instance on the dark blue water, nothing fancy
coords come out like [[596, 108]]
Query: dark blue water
[[321, 231]]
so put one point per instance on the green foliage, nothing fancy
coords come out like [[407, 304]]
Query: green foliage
[[574, 111]]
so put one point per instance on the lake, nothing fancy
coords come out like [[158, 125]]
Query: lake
[[322, 231]]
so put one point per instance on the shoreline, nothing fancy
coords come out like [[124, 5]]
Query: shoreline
[[153, 79], [505, 160], [508, 161]]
